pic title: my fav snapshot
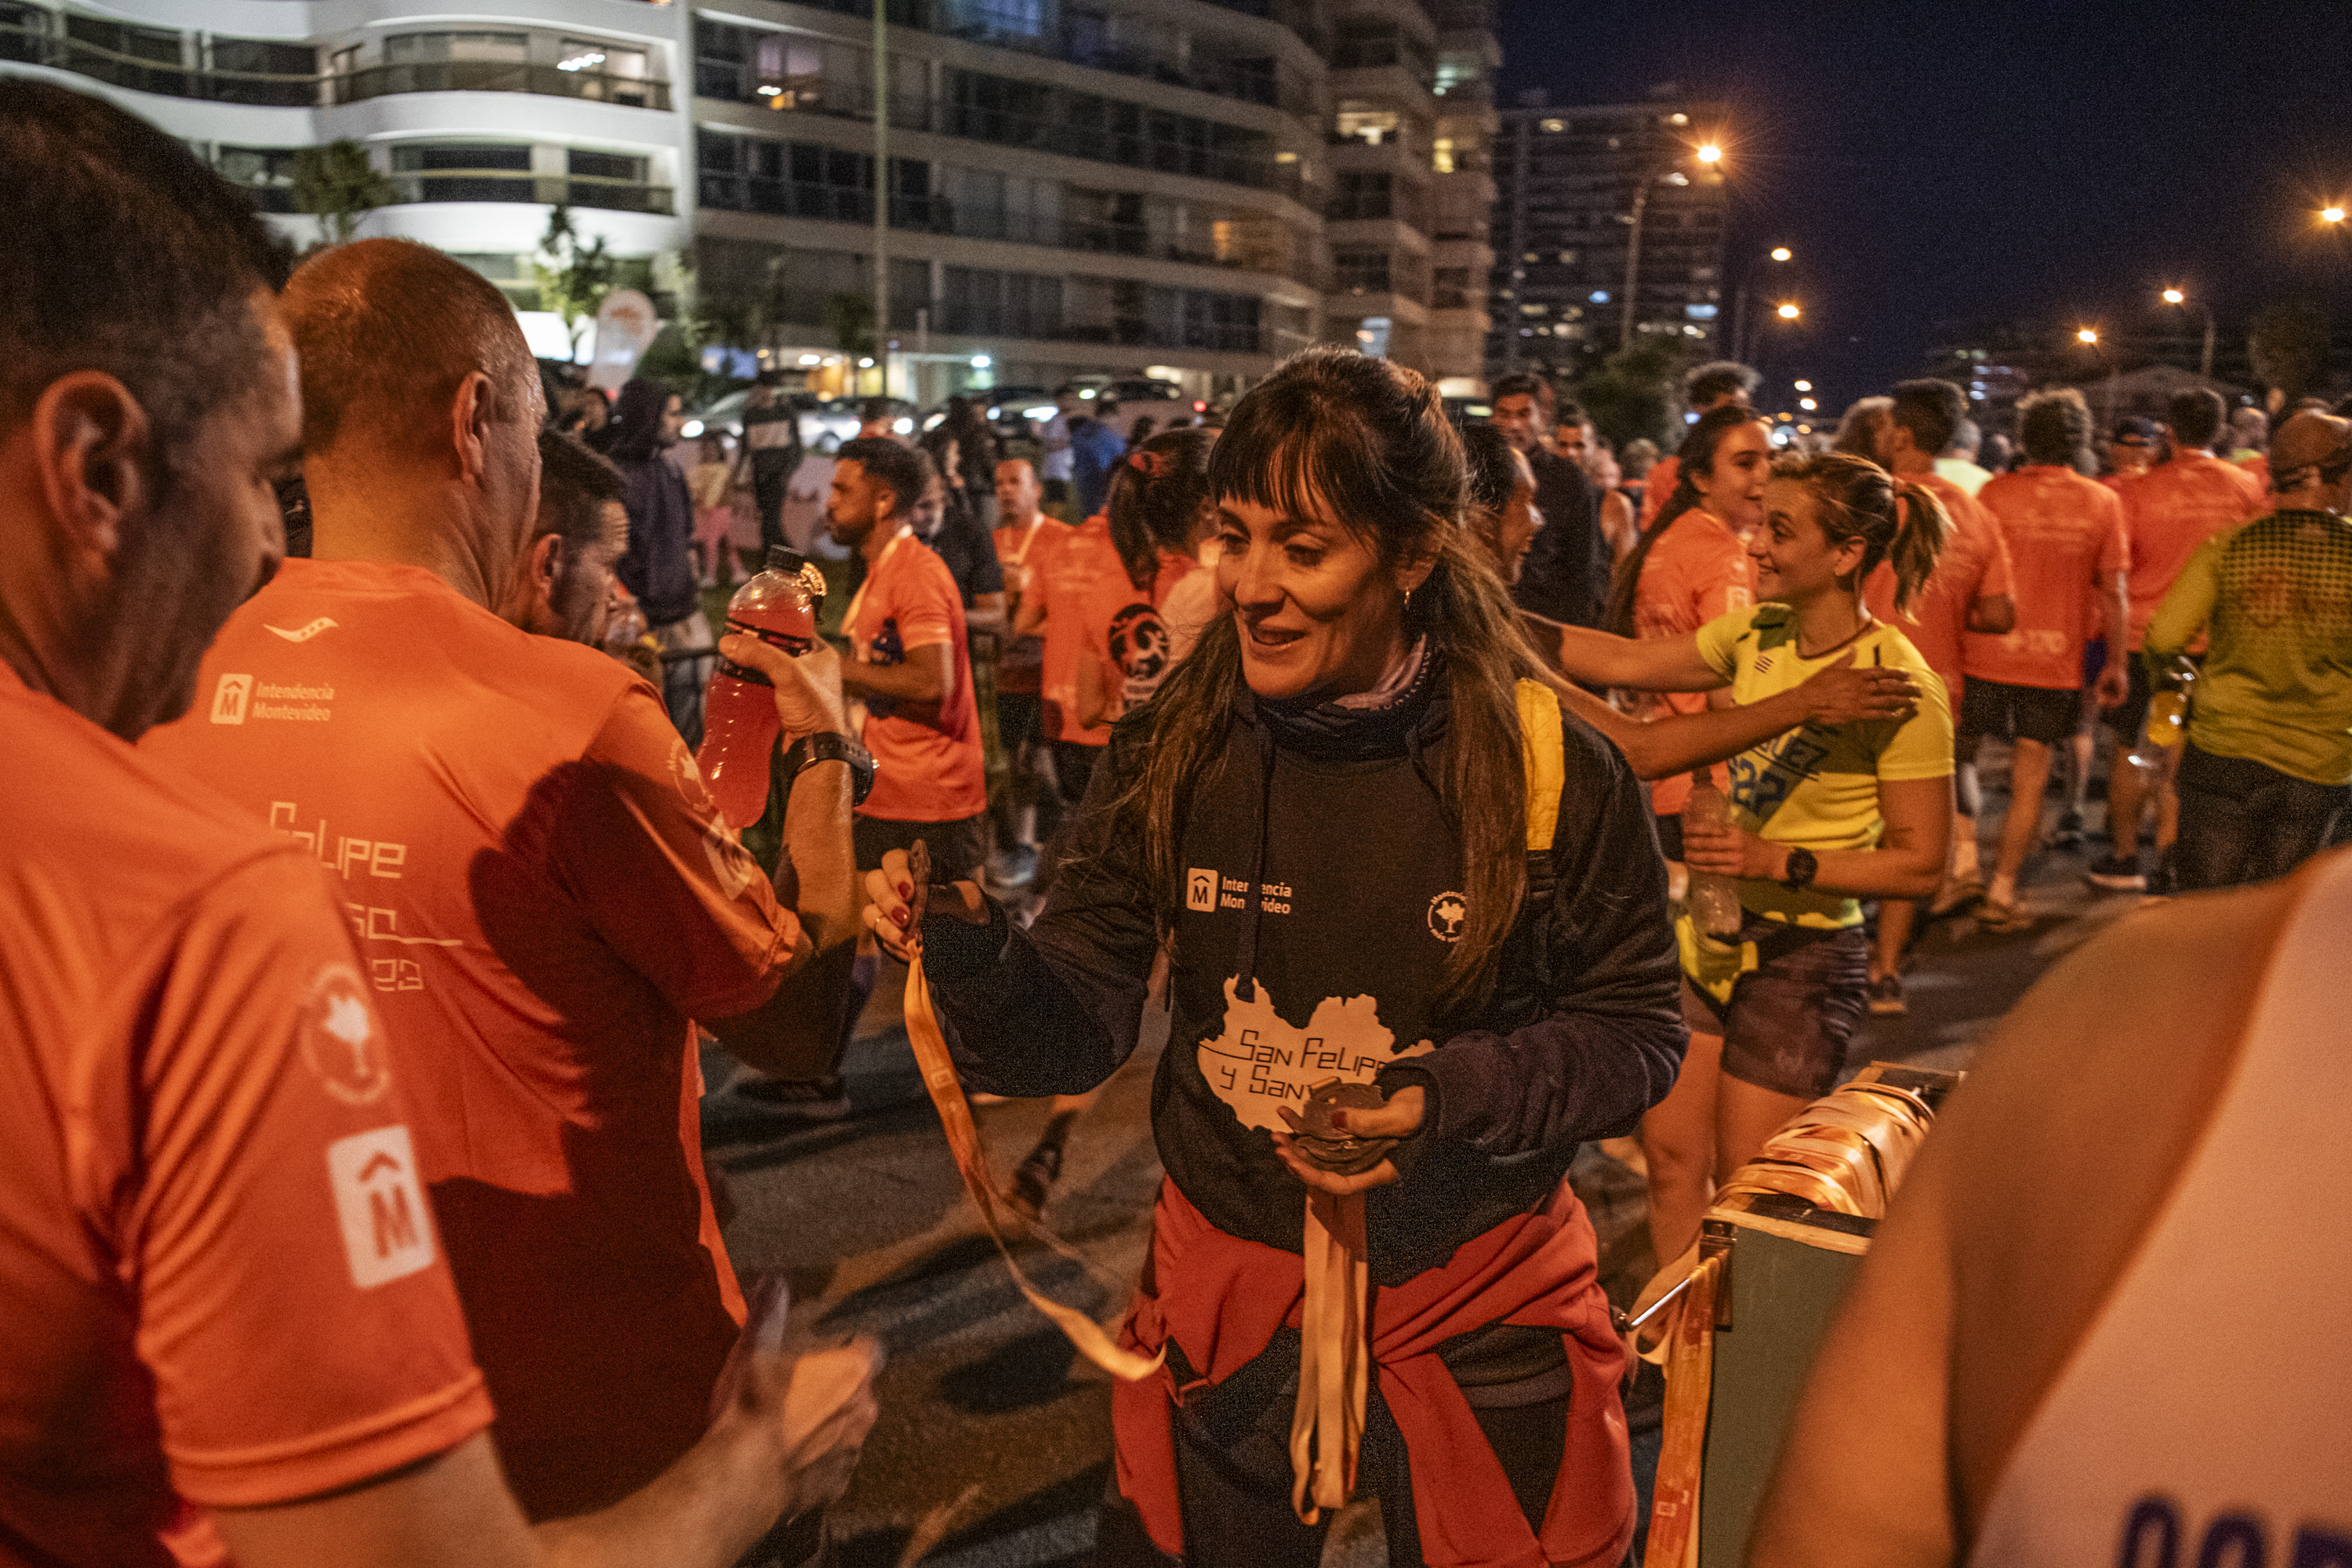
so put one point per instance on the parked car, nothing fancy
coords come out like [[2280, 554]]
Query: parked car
[[1163, 401], [724, 416]]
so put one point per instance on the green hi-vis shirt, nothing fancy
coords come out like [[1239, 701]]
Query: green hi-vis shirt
[[2276, 598], [1817, 788]]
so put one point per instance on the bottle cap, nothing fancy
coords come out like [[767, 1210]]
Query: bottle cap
[[784, 558]]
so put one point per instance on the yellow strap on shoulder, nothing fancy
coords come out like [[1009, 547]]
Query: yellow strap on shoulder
[[1541, 749]]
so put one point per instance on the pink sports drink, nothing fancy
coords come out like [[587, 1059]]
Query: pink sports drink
[[740, 724]]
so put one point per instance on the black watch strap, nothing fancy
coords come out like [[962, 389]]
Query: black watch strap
[[1801, 869], [826, 746]]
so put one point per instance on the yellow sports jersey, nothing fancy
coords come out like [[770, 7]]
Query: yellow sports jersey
[[1818, 788]]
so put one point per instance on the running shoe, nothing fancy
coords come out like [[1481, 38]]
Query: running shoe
[[1887, 996], [2003, 919], [2116, 874], [2068, 834], [1033, 1181], [795, 1098]]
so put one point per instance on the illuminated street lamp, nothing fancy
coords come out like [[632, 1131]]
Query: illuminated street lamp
[[1740, 345], [1788, 310], [1709, 155], [2088, 337], [1781, 253], [2180, 297], [2331, 215], [1804, 386]]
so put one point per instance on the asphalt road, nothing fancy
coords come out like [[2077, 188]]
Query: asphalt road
[[994, 1443]]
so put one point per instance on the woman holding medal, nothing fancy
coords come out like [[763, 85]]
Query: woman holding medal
[[1419, 929], [1825, 816]]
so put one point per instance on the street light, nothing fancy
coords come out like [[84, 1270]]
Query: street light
[[1739, 302], [1781, 253], [2205, 363], [1788, 310], [1804, 385], [1709, 154], [2087, 336], [2331, 215]]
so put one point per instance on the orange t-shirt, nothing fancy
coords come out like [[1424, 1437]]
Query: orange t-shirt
[[2259, 466], [219, 1276], [928, 765], [2066, 540], [1696, 571], [1082, 569], [543, 896], [1974, 565], [2172, 510], [1019, 668], [1658, 488], [1129, 639]]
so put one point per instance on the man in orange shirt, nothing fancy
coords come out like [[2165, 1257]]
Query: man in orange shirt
[[2067, 544], [226, 1288], [1026, 539], [542, 893], [1972, 589], [1708, 387], [1084, 566], [2169, 510]]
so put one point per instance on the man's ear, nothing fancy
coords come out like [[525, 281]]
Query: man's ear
[[542, 562], [92, 447], [471, 414]]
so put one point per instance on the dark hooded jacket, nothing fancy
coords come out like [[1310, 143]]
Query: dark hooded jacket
[[658, 565], [1322, 889]]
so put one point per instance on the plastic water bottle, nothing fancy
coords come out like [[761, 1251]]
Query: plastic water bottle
[[2168, 711], [740, 724], [1714, 896]]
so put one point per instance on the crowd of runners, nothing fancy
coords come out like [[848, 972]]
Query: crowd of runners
[[1460, 798]]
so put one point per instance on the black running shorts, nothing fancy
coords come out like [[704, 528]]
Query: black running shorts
[[1790, 1018]]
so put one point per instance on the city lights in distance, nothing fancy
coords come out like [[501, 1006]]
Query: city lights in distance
[[1807, 404], [2087, 335], [980, 362], [1804, 385], [812, 359], [1789, 312], [2174, 297], [1781, 253]]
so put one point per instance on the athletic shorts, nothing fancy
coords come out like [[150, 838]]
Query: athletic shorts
[[956, 848], [2003, 713], [1792, 1016]]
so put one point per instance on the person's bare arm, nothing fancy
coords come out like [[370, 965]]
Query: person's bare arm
[[2115, 609], [1645, 664], [1907, 864], [787, 1446], [927, 675], [793, 1033], [987, 614], [1995, 614], [1840, 693], [1029, 614]]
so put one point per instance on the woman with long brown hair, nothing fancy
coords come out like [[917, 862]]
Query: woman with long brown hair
[[1825, 816], [1419, 950]]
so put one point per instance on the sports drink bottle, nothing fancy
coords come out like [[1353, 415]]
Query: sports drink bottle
[[740, 722]]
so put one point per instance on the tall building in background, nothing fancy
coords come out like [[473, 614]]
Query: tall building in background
[[1463, 253], [1566, 181], [1191, 187]]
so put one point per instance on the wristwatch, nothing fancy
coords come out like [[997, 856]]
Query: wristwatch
[[1798, 874], [826, 746]]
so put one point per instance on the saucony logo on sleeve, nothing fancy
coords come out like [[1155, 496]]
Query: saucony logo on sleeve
[[303, 634]]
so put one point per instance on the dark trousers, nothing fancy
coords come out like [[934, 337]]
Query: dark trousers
[[2243, 822]]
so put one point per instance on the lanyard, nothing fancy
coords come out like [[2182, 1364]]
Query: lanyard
[[849, 621], [1029, 538]]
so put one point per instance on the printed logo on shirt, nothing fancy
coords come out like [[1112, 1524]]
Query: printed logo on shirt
[[302, 634], [230, 698], [1446, 913], [1200, 890], [387, 1229], [1139, 646], [729, 861], [691, 786], [1261, 1062], [340, 1042]]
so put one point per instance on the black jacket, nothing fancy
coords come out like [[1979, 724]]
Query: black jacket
[[1333, 972], [1566, 577]]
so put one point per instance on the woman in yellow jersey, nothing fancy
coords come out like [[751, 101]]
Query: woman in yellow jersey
[[1823, 817]]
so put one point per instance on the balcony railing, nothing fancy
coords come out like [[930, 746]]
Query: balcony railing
[[36, 45], [496, 76], [516, 185]]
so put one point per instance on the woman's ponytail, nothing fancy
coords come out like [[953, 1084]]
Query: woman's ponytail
[[1922, 527]]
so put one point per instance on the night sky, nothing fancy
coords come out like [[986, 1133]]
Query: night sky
[[1932, 163]]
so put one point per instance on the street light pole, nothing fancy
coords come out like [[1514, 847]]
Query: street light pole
[[2205, 363], [1633, 262]]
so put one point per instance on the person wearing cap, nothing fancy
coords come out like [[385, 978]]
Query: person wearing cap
[[2263, 778], [2134, 447]]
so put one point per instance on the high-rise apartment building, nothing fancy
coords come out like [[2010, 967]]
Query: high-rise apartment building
[[1582, 195], [1197, 187]]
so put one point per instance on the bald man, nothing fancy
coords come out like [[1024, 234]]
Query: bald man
[[545, 899]]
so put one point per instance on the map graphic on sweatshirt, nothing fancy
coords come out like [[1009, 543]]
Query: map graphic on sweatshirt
[[1261, 1061]]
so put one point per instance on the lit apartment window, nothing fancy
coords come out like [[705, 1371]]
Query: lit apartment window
[[1441, 154]]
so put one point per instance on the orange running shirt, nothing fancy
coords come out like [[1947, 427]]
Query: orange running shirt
[[1696, 571], [2065, 536], [1082, 569], [2172, 510], [928, 765], [1130, 639], [1023, 552], [1974, 565], [542, 898], [219, 1276]]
